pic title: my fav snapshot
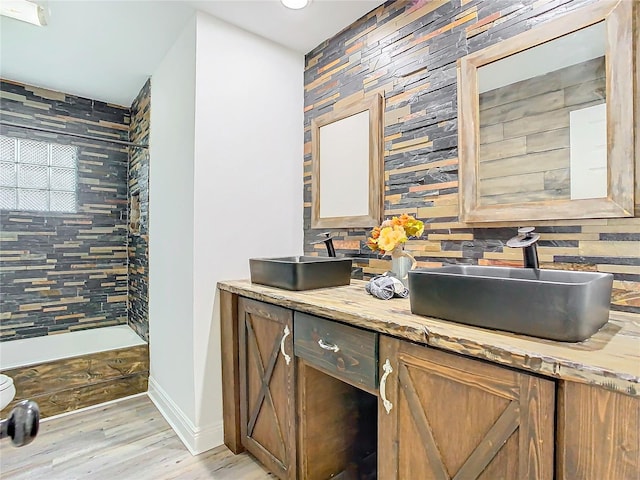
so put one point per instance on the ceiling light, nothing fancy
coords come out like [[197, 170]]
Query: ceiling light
[[24, 11], [295, 4]]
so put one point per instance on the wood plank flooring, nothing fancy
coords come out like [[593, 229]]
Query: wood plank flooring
[[124, 440]]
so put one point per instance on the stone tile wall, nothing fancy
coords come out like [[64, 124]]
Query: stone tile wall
[[67, 271], [138, 237], [407, 51]]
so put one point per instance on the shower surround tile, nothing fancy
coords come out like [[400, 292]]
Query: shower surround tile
[[63, 272]]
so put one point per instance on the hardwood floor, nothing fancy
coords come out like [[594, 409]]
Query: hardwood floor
[[124, 440]]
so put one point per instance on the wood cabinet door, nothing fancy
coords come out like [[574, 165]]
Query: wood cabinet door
[[451, 417], [267, 381]]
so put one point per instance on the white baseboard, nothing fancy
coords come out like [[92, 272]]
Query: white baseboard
[[197, 440]]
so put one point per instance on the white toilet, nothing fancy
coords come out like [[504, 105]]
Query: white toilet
[[7, 391]]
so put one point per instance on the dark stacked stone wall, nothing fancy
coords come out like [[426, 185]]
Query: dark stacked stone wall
[[67, 271], [407, 51], [139, 214]]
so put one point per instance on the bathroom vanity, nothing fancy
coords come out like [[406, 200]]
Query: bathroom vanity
[[333, 383]]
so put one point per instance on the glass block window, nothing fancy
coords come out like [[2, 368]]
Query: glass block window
[[37, 176]]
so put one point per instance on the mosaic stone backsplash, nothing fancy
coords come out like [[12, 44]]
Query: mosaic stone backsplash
[[407, 52], [67, 271]]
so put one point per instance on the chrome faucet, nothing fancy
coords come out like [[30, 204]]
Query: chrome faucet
[[328, 241], [526, 239]]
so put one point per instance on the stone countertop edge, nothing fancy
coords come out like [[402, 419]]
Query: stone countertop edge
[[609, 359]]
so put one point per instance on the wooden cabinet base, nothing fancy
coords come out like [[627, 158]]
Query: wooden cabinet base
[[450, 416]]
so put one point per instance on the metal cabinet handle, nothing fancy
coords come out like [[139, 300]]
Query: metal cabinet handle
[[287, 332], [383, 386], [328, 346]]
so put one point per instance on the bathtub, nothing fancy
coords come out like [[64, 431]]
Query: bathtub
[[69, 371], [30, 351]]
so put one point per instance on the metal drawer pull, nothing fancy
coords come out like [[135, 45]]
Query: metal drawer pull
[[383, 386], [328, 346], [287, 332]]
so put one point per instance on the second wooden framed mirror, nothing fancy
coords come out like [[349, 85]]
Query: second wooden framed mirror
[[546, 121]]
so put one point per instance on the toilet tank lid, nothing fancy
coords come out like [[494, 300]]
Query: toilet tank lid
[[5, 382]]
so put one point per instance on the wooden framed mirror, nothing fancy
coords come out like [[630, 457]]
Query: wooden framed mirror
[[546, 121], [347, 183]]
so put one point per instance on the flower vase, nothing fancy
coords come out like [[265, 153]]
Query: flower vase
[[401, 263]]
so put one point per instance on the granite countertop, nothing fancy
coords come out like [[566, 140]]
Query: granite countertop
[[610, 358]]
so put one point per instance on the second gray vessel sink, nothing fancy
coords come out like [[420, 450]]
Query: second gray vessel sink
[[555, 304], [301, 273]]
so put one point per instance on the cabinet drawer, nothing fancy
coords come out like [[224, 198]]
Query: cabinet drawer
[[348, 353]]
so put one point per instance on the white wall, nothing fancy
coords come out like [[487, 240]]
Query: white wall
[[171, 183], [246, 201], [248, 176]]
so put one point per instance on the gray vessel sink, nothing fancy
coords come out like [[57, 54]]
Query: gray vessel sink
[[301, 273], [555, 304]]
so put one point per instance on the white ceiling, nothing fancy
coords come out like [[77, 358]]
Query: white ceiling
[[301, 30], [106, 50]]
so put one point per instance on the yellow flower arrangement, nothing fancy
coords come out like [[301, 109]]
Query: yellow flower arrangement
[[395, 232]]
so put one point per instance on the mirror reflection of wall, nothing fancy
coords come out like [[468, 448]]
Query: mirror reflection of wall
[[542, 122]]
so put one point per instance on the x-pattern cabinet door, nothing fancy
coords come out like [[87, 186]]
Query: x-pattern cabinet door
[[450, 417], [267, 382]]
